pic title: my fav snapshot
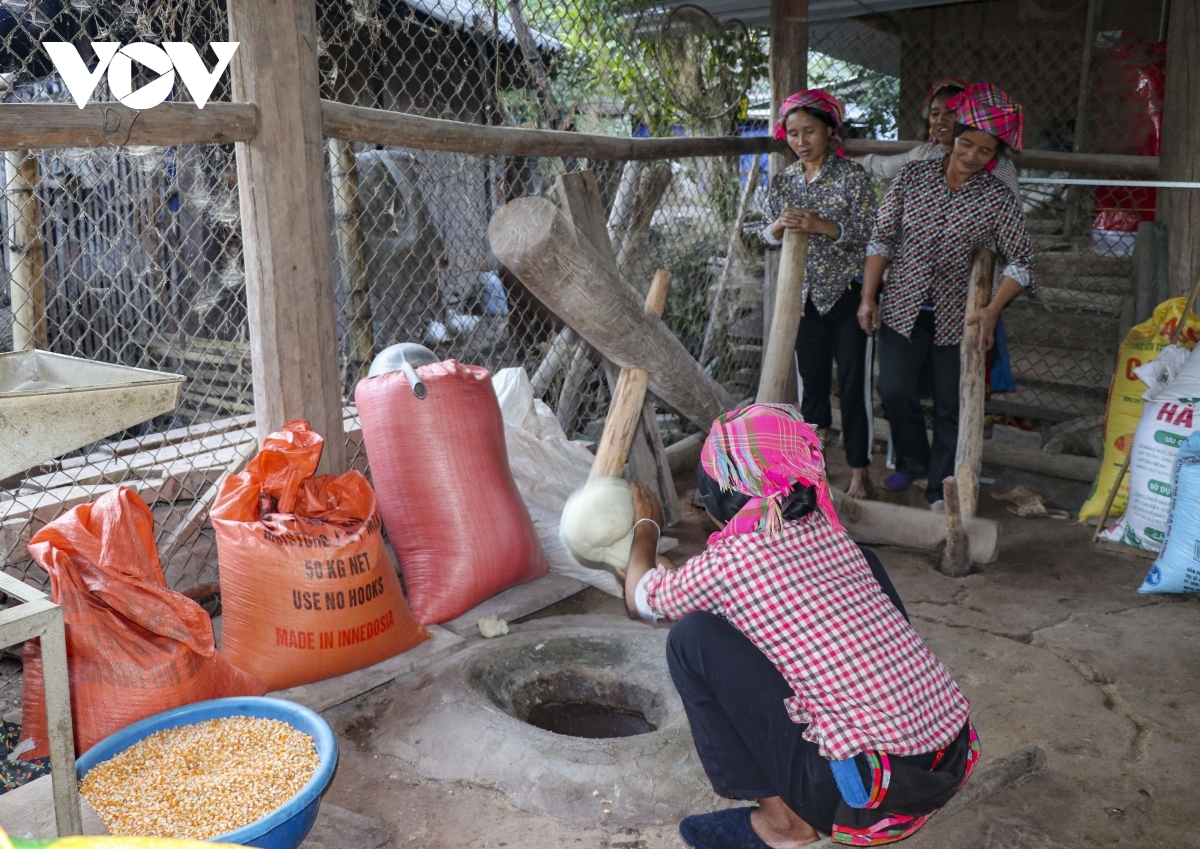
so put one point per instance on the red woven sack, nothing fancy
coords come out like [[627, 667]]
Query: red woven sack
[[134, 647], [308, 590], [451, 508]]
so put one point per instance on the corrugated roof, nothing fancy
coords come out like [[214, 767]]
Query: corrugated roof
[[757, 13], [468, 15]]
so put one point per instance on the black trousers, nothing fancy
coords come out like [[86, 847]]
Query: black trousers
[[734, 699], [901, 362], [822, 340]]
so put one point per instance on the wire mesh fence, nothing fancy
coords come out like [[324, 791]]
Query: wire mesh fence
[[134, 256]]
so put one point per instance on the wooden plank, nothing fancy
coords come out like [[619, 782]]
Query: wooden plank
[[34, 125], [285, 225], [517, 602], [322, 695]]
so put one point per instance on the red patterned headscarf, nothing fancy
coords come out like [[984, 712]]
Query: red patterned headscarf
[[817, 99], [952, 84], [765, 451], [986, 107]]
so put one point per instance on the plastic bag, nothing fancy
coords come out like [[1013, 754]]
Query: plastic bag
[[134, 647], [547, 468], [1177, 569], [1168, 420], [1142, 345], [308, 590], [453, 512]]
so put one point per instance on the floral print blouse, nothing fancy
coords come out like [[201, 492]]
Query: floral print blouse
[[842, 193]]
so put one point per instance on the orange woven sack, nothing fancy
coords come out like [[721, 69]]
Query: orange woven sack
[[452, 510], [308, 590], [134, 647]]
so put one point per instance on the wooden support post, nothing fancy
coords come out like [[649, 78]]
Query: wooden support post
[[536, 241], [1079, 198], [1180, 159], [285, 225], [972, 384], [651, 188], [648, 464], [785, 323], [788, 69], [358, 342], [27, 285], [956, 559]]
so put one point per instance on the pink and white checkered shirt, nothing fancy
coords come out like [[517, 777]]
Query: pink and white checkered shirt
[[807, 599]]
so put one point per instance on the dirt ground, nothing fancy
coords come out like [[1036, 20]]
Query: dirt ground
[[1052, 645]]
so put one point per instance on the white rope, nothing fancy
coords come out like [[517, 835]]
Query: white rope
[[1073, 181]]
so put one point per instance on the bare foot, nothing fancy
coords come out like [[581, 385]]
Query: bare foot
[[860, 483], [778, 826]]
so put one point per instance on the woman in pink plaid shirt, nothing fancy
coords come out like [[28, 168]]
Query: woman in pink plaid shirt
[[805, 687]]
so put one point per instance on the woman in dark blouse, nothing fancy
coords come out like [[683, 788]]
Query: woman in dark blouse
[[935, 214], [830, 198]]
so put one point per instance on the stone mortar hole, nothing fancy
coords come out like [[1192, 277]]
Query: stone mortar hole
[[573, 687]]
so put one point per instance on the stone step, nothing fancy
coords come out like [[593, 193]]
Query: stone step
[[1106, 284], [1050, 404], [1069, 301], [1026, 324]]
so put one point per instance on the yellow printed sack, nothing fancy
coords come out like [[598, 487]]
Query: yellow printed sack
[[108, 843], [1142, 344]]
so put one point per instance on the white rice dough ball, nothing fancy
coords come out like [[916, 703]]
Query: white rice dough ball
[[597, 524]]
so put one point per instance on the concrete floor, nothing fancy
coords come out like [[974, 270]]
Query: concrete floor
[[1052, 645]]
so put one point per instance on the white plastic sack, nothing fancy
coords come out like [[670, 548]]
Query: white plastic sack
[[1168, 419], [547, 467], [1177, 569]]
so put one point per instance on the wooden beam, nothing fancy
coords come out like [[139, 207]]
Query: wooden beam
[[358, 343], [1180, 208], [377, 126], [537, 243], [285, 225], [26, 281], [34, 125], [1104, 164]]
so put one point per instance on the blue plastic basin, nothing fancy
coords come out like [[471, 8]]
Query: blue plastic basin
[[283, 828]]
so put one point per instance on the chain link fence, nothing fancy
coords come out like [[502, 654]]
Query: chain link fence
[[134, 256]]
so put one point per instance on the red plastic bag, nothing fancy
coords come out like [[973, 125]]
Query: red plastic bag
[[134, 647], [308, 590], [452, 510]]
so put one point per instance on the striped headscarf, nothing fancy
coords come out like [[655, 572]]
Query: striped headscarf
[[765, 451], [986, 107], [817, 99]]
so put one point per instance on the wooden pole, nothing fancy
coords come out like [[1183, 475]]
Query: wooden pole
[[536, 241], [778, 352], [956, 558], [1180, 159], [788, 70], [972, 387], [1078, 196], [655, 180], [27, 283], [285, 226], [629, 395], [716, 316], [358, 342]]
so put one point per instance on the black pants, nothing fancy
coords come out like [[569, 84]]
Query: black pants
[[900, 365], [734, 699], [822, 339]]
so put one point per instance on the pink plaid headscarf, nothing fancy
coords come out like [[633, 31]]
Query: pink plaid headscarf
[[818, 99], [765, 451], [986, 107]]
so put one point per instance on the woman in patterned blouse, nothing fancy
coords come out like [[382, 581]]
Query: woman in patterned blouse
[[941, 120], [830, 198], [935, 214]]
